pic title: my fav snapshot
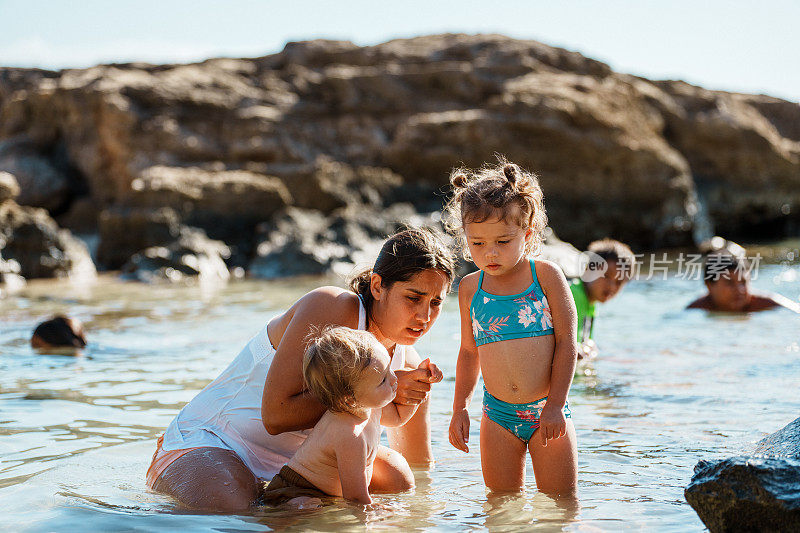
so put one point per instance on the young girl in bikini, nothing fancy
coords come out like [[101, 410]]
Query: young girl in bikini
[[518, 328], [349, 372]]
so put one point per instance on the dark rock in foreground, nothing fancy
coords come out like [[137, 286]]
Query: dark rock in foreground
[[783, 443], [751, 493]]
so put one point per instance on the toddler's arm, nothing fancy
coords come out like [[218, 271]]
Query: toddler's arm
[[467, 368], [351, 461], [552, 423], [397, 414], [394, 415]]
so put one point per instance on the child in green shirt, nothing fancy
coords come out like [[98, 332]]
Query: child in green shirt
[[610, 266]]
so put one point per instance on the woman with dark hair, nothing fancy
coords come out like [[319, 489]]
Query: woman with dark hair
[[248, 422]]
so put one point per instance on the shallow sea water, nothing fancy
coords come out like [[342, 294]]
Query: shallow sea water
[[669, 388]]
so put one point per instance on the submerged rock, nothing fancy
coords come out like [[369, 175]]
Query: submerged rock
[[760, 492]]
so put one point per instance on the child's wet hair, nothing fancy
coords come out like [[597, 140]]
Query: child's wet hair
[[612, 250], [60, 331], [503, 191], [403, 255], [333, 362]]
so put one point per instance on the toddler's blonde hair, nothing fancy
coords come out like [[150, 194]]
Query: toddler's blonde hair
[[333, 362], [504, 191]]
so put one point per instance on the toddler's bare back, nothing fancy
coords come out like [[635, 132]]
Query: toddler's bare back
[[335, 432]]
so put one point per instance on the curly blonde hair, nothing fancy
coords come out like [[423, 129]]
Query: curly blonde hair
[[333, 362], [503, 191]]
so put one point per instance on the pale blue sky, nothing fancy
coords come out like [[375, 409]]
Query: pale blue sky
[[733, 45]]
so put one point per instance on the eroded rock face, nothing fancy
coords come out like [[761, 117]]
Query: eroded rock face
[[300, 243], [127, 231], [760, 492], [192, 255], [327, 125], [304, 241], [41, 184], [223, 202], [41, 249], [744, 155]]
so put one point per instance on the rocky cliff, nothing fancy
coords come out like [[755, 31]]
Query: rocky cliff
[[237, 147]]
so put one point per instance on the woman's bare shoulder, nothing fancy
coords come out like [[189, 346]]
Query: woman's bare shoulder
[[332, 305]]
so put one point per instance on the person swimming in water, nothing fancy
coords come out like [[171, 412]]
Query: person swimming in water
[[59, 332], [609, 268], [727, 279]]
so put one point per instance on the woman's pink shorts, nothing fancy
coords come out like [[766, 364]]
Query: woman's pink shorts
[[162, 459]]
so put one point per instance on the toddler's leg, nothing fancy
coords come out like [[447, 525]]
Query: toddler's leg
[[390, 472], [556, 465], [502, 458]]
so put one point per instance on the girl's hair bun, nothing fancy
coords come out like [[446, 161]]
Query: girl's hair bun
[[459, 180], [510, 172]]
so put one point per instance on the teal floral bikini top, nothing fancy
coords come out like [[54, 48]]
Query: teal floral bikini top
[[515, 316]]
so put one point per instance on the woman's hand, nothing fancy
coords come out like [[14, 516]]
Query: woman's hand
[[459, 430], [413, 385]]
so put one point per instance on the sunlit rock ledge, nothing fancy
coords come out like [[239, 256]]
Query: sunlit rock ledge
[[231, 147]]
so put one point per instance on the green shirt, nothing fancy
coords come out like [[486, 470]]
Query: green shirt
[[585, 308]]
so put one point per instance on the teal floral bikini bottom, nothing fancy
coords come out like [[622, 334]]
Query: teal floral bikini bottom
[[521, 419]]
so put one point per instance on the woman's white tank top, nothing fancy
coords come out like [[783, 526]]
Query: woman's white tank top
[[227, 413]]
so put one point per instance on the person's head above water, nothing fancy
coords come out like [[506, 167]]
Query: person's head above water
[[348, 370], [402, 292], [59, 332], [727, 279], [616, 269], [502, 192], [726, 274]]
